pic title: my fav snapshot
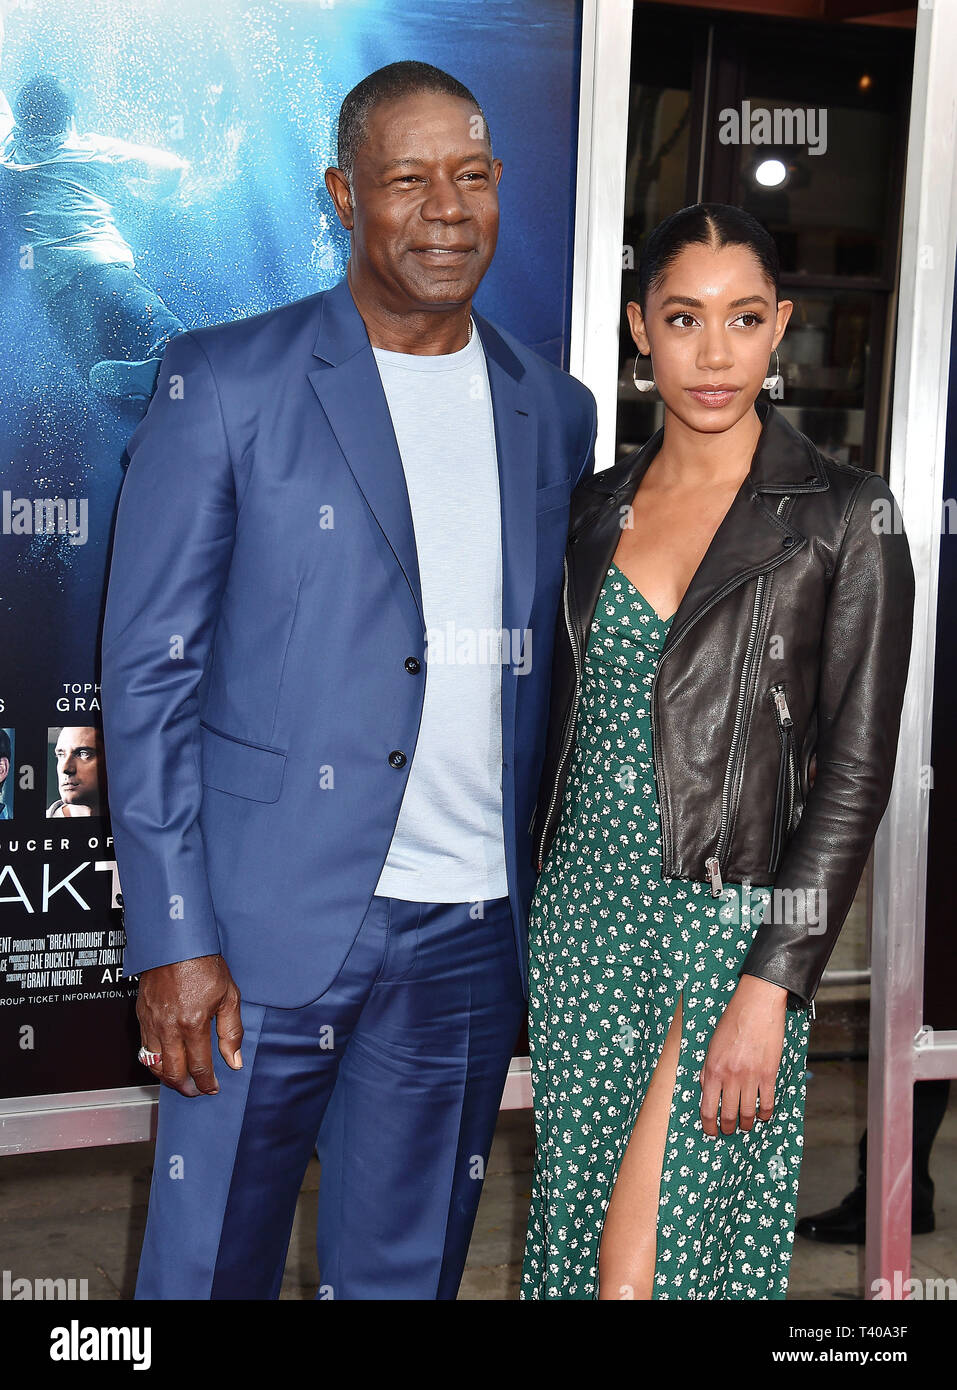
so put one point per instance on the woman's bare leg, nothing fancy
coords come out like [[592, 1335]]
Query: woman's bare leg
[[626, 1259]]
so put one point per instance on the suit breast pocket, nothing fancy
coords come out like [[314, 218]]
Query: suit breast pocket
[[243, 769], [555, 495]]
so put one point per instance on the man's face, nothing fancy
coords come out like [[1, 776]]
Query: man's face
[[78, 766], [424, 220]]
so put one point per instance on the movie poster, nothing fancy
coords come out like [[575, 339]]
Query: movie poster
[[161, 169]]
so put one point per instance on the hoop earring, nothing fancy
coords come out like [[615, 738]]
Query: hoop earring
[[771, 382], [641, 383]]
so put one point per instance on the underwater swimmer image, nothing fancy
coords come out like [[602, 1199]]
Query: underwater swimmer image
[[61, 190]]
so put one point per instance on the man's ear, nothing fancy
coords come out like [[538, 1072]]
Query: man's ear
[[338, 189]]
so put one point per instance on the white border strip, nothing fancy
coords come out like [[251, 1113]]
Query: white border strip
[[900, 1051], [127, 1115], [600, 209], [78, 1119]]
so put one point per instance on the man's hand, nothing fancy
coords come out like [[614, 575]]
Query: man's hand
[[175, 1005], [744, 1056]]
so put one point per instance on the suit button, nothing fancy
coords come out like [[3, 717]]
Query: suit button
[[412, 665], [397, 758]]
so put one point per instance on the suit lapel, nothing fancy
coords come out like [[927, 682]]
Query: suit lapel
[[516, 445], [350, 392]]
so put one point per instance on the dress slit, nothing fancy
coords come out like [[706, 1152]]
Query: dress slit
[[629, 1129], [613, 944]]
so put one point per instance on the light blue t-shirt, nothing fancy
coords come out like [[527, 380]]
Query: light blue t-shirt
[[449, 844]]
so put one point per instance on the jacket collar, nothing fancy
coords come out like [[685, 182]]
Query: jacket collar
[[342, 333], [753, 537], [784, 461]]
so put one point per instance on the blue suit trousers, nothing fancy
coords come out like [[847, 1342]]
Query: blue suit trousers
[[395, 1074]]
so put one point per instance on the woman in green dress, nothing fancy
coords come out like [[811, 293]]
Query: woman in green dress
[[668, 1034]]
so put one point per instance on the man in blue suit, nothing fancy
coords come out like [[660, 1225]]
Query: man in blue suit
[[308, 813]]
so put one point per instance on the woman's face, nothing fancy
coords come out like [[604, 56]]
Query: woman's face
[[711, 323]]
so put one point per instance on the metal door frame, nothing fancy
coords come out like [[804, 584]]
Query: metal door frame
[[902, 1050]]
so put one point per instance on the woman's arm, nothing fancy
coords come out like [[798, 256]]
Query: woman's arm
[[865, 651]]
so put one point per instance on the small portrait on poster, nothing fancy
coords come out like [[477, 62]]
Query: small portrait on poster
[[6, 774], [76, 771]]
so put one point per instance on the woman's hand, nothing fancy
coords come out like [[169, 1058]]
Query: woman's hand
[[744, 1056]]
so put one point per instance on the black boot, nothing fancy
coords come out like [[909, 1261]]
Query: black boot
[[840, 1225], [845, 1224]]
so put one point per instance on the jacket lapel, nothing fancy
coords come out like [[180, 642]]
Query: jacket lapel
[[350, 392], [516, 443], [750, 539]]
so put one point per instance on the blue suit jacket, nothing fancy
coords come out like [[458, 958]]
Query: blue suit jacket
[[263, 601]]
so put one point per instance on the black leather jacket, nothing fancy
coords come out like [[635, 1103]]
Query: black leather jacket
[[791, 641]]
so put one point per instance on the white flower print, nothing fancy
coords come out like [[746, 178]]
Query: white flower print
[[612, 947]]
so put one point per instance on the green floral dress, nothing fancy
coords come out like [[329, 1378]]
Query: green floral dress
[[612, 946]]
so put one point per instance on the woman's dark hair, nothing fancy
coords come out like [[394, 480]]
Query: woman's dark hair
[[705, 224]]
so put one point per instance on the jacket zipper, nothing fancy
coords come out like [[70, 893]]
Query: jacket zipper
[[713, 861], [570, 727], [712, 864], [787, 774], [786, 777]]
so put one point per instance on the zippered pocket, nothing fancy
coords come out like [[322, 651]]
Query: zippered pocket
[[787, 773]]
